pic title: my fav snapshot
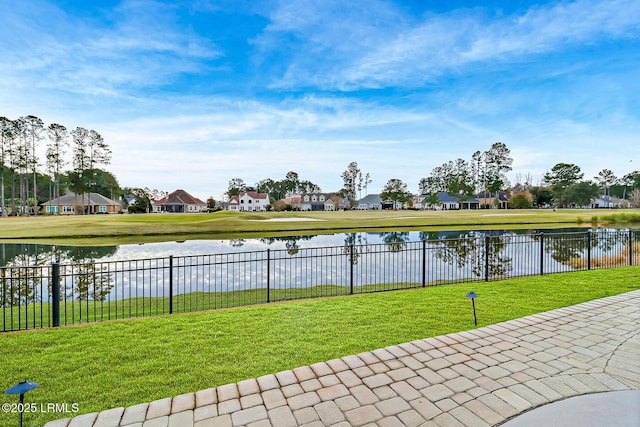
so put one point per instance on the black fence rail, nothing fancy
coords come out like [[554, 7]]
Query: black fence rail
[[54, 294]]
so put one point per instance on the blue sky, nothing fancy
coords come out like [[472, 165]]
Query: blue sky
[[189, 94]]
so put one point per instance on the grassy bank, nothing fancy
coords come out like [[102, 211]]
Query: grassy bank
[[38, 315], [114, 229], [121, 363]]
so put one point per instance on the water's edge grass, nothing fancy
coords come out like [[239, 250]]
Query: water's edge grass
[[121, 229]]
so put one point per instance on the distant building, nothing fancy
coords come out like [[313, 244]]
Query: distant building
[[371, 201], [447, 201], [179, 202], [249, 201], [74, 204], [489, 199], [606, 202], [375, 202], [320, 202]]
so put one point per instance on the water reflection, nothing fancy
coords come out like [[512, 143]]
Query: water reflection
[[26, 273], [395, 241], [561, 246], [291, 243], [346, 260], [37, 254], [484, 256]]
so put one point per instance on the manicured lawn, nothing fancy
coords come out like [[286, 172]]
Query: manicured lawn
[[114, 229], [121, 363], [38, 315]]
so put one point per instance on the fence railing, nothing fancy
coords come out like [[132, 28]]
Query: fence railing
[[54, 294]]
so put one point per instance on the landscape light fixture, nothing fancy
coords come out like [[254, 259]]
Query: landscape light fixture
[[472, 295], [21, 388]]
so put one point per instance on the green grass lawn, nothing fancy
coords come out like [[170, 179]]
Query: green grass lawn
[[121, 363], [120, 229], [38, 315]]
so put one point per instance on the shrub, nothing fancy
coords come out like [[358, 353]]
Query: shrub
[[520, 201]]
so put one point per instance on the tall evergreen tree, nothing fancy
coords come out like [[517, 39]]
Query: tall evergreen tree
[[58, 141], [21, 161], [89, 150], [6, 127], [606, 179], [34, 126], [350, 179], [498, 161]]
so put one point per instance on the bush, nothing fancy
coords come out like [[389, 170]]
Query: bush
[[136, 209], [520, 201]]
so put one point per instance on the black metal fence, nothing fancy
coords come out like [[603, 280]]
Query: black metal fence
[[39, 296]]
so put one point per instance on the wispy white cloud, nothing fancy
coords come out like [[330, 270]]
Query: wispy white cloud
[[359, 51], [551, 28], [140, 46]]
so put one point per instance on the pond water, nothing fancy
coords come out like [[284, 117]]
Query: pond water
[[23, 254]]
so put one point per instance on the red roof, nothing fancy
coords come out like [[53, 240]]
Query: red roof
[[255, 195], [179, 197]]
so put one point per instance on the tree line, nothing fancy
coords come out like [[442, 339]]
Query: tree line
[[354, 182], [84, 150], [484, 174], [73, 159]]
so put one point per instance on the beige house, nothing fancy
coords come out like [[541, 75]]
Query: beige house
[[74, 204], [498, 200]]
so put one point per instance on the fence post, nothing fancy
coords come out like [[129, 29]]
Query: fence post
[[424, 263], [541, 254], [55, 294], [268, 274], [486, 258], [352, 248], [630, 247], [588, 250], [170, 284]]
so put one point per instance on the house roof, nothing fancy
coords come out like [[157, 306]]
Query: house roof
[[179, 197], [327, 198], [89, 199], [608, 199], [503, 196], [234, 200], [255, 195], [444, 197], [370, 199]]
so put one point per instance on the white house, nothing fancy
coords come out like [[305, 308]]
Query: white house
[[607, 202], [249, 201]]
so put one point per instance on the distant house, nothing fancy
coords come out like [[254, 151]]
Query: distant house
[[606, 202], [447, 201], [179, 202], [489, 199], [370, 202], [418, 201], [249, 201], [320, 202], [74, 204]]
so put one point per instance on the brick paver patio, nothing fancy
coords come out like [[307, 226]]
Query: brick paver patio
[[480, 377]]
